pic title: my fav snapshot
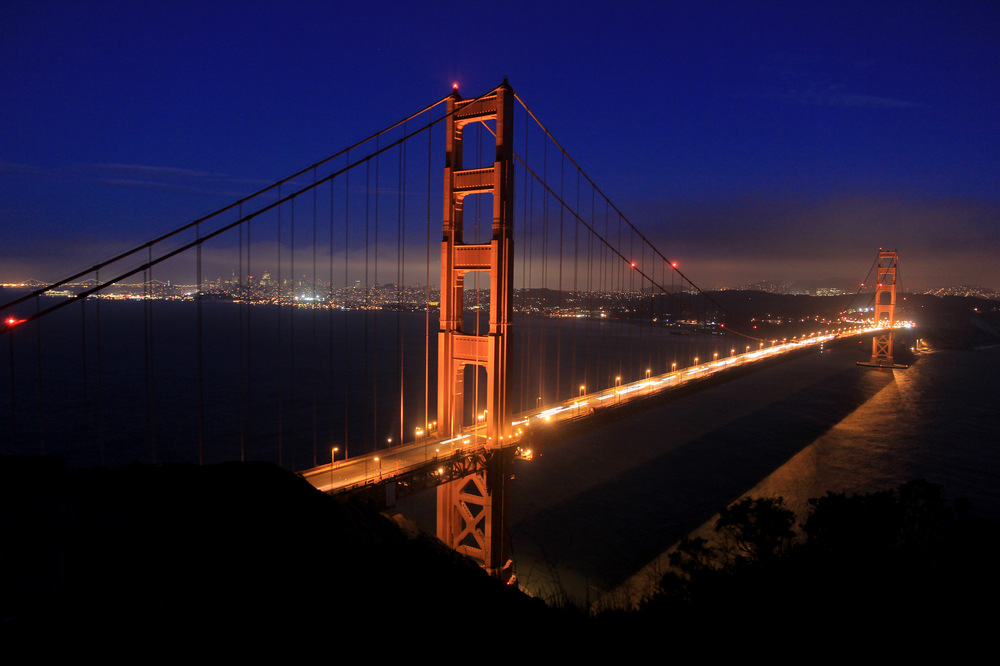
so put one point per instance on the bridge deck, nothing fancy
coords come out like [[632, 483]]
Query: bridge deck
[[392, 463]]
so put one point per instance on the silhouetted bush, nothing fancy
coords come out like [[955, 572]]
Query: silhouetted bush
[[901, 558]]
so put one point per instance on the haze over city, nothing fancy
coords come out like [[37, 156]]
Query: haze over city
[[749, 143]]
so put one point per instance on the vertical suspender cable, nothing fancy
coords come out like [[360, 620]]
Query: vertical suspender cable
[[344, 373], [544, 284], [83, 370], [329, 307], [291, 326], [375, 316], [367, 368], [244, 295], [38, 368], [400, 235], [200, 354], [280, 345], [315, 361], [559, 279], [525, 284], [576, 268], [100, 380], [427, 288], [148, 320]]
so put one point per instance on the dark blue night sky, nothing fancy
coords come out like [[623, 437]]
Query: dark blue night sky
[[772, 140]]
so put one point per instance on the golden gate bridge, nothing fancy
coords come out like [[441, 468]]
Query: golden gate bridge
[[329, 324]]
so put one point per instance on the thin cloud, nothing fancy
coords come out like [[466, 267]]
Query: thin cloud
[[20, 169], [166, 178], [840, 96], [796, 83]]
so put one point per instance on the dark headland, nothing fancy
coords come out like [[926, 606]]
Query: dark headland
[[236, 554]]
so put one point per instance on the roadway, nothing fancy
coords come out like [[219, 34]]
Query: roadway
[[387, 464]]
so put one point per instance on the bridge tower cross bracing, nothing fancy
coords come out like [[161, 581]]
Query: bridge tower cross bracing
[[885, 307], [470, 511]]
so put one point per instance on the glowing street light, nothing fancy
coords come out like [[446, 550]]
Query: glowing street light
[[582, 389]]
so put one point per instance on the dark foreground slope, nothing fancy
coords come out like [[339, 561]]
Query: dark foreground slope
[[223, 554], [236, 557]]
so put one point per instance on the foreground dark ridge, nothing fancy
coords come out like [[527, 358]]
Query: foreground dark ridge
[[223, 552], [237, 554]]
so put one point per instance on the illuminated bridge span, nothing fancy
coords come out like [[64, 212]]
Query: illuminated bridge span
[[330, 322]]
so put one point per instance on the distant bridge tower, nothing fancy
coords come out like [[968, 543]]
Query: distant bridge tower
[[885, 308], [470, 516]]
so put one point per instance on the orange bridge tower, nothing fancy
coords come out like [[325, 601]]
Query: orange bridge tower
[[470, 510], [885, 308]]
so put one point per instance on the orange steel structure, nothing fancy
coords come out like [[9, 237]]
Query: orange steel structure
[[470, 510], [885, 307]]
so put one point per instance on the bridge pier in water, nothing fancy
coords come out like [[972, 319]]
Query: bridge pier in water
[[470, 510]]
